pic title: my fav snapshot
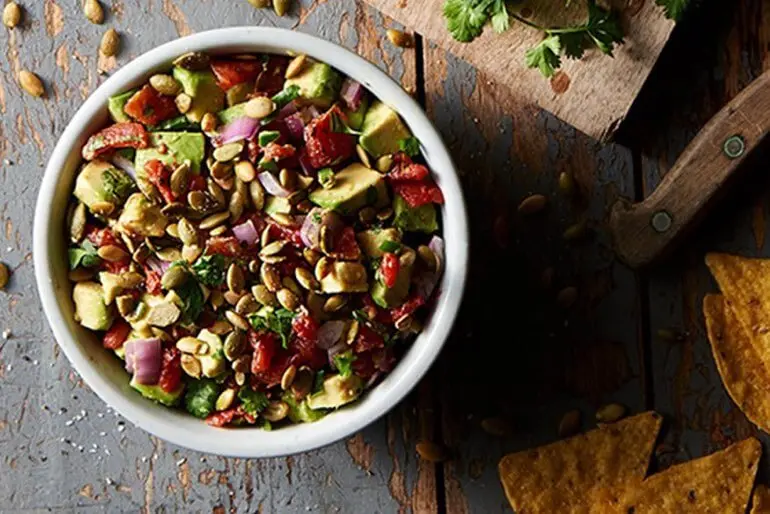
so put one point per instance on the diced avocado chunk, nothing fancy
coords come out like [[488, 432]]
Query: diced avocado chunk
[[157, 394], [179, 147], [141, 217], [417, 219], [388, 297], [112, 285], [299, 411], [202, 87], [370, 240], [277, 205], [356, 118], [115, 105], [318, 84], [213, 363], [354, 187], [342, 276], [232, 113], [337, 391], [100, 181], [90, 309], [382, 130]]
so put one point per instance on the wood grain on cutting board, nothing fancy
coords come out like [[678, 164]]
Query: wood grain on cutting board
[[593, 94]]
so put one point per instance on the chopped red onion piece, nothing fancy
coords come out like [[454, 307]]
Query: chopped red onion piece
[[287, 110], [271, 185], [157, 265], [437, 245], [304, 162], [246, 232], [335, 350], [125, 165], [129, 356], [329, 333], [238, 130], [352, 93], [369, 383], [146, 360], [426, 281], [311, 112], [295, 126]]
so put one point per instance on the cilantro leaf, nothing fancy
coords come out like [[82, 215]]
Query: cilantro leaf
[[253, 402], [390, 246], [318, 382], [268, 136], [200, 397], [278, 321], [501, 20], [210, 270], [466, 18], [344, 363], [674, 9], [603, 28], [545, 56], [85, 255], [410, 146], [285, 96], [192, 296]]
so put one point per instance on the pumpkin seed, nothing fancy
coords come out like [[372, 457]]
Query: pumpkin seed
[[315, 304], [326, 240], [215, 191], [246, 305], [165, 84], [228, 152], [172, 229], [242, 363], [200, 201], [288, 179], [335, 303], [240, 378], [3, 275], [225, 399], [169, 254], [245, 171], [282, 219], [352, 333], [220, 326], [93, 11], [533, 204], [175, 276], [126, 304], [234, 345], [31, 83], [496, 426], [209, 122], [238, 93], [302, 383], [112, 253], [189, 345], [610, 413], [179, 179], [237, 320], [190, 253], [78, 223], [232, 297], [427, 256], [183, 102], [260, 4], [431, 452], [367, 215], [407, 257], [384, 163], [288, 377], [191, 365], [193, 61], [363, 156], [257, 193], [567, 297], [287, 299], [291, 284], [263, 295], [296, 66], [311, 256], [566, 183], [275, 411], [400, 39], [141, 253], [187, 232], [570, 423], [103, 208], [131, 279], [306, 279], [265, 237], [237, 205], [214, 220], [110, 44], [235, 279], [385, 214], [259, 107], [273, 259], [11, 15], [281, 7], [272, 248], [576, 232], [254, 266]]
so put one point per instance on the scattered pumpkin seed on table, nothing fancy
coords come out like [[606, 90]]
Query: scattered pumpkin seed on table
[[431, 452], [260, 4], [11, 15], [610, 413], [570, 423], [31, 83], [93, 11], [566, 183], [3, 275], [110, 45], [400, 39], [533, 204], [281, 7]]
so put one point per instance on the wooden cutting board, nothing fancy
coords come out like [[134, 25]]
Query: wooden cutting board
[[593, 94]]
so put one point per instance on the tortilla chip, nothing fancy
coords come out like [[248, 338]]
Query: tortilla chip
[[760, 500], [718, 484], [739, 362], [555, 478]]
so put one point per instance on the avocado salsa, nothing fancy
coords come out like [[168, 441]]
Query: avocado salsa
[[255, 236]]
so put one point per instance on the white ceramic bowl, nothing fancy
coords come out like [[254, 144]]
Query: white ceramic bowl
[[105, 374]]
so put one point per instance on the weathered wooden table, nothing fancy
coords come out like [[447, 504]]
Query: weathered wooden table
[[515, 352]]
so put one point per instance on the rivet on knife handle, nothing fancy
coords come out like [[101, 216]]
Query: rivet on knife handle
[[645, 231]]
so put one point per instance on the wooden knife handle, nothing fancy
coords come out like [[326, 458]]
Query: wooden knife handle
[[647, 230]]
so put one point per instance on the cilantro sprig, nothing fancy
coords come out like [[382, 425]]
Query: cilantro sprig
[[278, 321], [84, 255], [466, 20]]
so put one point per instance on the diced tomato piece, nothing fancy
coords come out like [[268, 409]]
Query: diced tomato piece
[[119, 135], [305, 326], [414, 302], [384, 359], [171, 371], [367, 339], [102, 237], [404, 169], [159, 174], [116, 267], [265, 345], [417, 194], [271, 80], [389, 268], [228, 246], [363, 365], [196, 183], [152, 281], [231, 72], [324, 146], [345, 246], [150, 107], [116, 335], [275, 152], [225, 417], [291, 234]]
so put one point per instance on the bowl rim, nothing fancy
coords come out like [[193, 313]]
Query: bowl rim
[[413, 365]]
